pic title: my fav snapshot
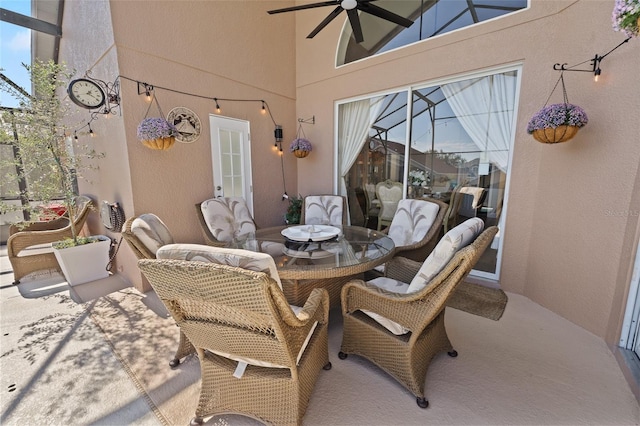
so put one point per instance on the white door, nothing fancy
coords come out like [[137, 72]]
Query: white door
[[630, 336], [231, 158]]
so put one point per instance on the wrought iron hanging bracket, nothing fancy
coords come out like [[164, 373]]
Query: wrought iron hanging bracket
[[311, 120], [595, 62]]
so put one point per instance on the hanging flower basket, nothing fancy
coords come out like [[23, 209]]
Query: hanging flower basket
[[300, 153], [557, 123], [300, 147], [626, 17], [157, 133]]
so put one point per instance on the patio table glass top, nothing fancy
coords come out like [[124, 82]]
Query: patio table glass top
[[353, 250]]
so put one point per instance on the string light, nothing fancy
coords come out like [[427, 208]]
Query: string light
[[148, 90], [91, 130], [75, 135]]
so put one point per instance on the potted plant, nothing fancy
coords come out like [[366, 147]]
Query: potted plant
[[300, 147], [626, 17], [557, 123], [294, 211], [49, 158], [157, 133]]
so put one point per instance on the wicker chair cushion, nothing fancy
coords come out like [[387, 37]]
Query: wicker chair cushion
[[323, 210], [227, 218], [412, 221], [151, 231], [251, 260], [396, 287], [457, 238]]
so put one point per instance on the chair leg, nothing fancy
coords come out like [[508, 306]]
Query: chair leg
[[422, 402]]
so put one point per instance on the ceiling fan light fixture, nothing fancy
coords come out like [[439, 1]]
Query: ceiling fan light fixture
[[348, 4]]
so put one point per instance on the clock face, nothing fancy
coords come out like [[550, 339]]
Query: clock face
[[187, 123], [86, 93]]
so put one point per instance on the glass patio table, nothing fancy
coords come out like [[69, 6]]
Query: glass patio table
[[327, 257]]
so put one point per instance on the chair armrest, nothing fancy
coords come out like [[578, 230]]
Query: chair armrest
[[21, 240], [57, 223], [405, 309], [297, 328], [402, 269]]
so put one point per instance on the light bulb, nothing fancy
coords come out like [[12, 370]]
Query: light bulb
[[596, 75]]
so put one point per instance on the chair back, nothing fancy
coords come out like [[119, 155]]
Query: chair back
[[324, 210], [145, 234], [412, 220], [224, 218], [389, 193], [227, 310], [251, 260]]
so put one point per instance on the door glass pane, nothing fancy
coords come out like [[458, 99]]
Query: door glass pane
[[460, 136]]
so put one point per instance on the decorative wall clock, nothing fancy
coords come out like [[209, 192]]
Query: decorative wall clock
[[187, 123], [86, 93]]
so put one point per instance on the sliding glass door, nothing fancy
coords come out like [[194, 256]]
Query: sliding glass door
[[450, 141]]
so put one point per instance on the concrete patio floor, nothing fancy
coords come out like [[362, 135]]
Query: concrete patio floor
[[545, 370]]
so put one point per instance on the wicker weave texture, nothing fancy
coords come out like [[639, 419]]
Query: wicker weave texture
[[406, 357], [225, 309]]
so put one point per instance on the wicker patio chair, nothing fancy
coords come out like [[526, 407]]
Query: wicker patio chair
[[257, 356], [22, 239], [223, 219], [146, 234], [416, 226], [324, 210], [401, 330], [389, 193]]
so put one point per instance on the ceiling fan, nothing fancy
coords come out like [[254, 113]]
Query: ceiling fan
[[352, 7]]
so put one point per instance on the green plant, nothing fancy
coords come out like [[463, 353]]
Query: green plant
[[294, 210], [70, 242], [48, 155]]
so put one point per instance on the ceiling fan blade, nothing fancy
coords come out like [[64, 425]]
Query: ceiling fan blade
[[304, 6], [326, 21], [374, 10], [354, 19]]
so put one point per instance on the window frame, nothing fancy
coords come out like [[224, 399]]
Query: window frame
[[515, 66]]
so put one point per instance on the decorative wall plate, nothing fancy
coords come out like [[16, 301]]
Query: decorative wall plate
[[187, 123]]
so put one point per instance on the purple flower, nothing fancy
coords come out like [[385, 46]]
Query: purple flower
[[625, 17], [301, 144], [555, 115], [155, 128]]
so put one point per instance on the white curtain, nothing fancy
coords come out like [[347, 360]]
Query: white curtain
[[355, 120], [484, 107]]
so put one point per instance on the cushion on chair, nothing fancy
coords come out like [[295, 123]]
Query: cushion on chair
[[412, 221], [227, 218], [396, 287], [151, 231], [251, 260], [457, 238], [323, 210]]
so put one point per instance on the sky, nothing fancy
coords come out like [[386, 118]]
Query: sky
[[15, 49]]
